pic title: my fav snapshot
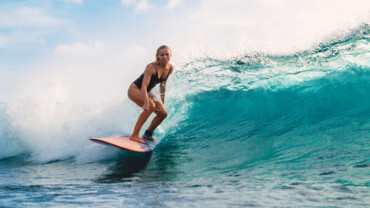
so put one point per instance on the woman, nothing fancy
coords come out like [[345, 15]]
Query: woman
[[155, 73]]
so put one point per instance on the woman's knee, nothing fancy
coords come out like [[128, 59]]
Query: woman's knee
[[151, 106], [163, 113]]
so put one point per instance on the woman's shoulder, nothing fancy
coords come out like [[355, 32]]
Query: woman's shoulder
[[151, 68], [152, 64], [171, 68]]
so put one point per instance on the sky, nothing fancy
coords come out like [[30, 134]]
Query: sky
[[74, 43]]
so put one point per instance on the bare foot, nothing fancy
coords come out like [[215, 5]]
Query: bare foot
[[151, 139], [148, 138], [137, 139]]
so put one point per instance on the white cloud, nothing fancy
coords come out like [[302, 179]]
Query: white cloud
[[282, 26], [127, 2], [173, 3], [133, 54], [80, 50], [73, 1], [142, 5], [24, 26], [27, 17]]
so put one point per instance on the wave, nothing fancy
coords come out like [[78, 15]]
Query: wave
[[238, 127], [257, 108], [225, 112]]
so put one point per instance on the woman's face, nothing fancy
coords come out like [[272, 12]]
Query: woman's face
[[164, 55]]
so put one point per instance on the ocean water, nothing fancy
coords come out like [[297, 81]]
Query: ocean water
[[264, 130]]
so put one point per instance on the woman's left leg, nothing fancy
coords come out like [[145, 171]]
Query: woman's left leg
[[161, 114], [134, 94]]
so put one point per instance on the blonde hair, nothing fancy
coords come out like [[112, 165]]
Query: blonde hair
[[160, 48]]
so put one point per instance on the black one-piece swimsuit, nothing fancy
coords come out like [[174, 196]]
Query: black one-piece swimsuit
[[154, 80]]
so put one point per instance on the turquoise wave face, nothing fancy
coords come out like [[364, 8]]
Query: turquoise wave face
[[242, 127], [305, 111]]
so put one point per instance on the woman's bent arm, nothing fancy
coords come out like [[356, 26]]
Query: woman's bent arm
[[163, 90], [149, 71]]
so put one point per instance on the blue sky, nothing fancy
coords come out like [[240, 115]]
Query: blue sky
[[32, 29], [45, 37]]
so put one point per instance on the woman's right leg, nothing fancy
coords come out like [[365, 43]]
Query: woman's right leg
[[134, 93]]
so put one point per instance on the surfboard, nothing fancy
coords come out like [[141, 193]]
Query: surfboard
[[123, 143]]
